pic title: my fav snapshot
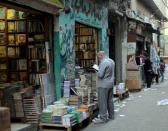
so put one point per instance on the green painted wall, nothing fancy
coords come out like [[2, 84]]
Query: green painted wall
[[86, 12]]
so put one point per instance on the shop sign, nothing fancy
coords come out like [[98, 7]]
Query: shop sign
[[131, 48]]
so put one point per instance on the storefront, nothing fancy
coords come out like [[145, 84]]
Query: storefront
[[26, 60], [81, 33]]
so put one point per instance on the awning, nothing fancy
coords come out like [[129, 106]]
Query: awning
[[148, 26], [48, 6]]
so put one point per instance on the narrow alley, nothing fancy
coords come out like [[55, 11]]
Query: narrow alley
[[139, 112], [63, 61]]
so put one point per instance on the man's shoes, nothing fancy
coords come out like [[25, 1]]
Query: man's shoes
[[110, 118], [99, 121]]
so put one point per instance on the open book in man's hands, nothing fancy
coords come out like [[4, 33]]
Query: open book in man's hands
[[96, 67]]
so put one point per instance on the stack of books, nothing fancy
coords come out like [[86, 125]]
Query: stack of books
[[46, 116], [69, 120], [56, 119], [67, 88], [78, 116], [75, 100]]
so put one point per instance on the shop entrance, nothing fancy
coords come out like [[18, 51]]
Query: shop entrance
[[86, 45]]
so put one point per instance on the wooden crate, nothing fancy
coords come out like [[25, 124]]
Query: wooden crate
[[133, 84]]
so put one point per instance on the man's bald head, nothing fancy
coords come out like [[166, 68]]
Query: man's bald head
[[101, 55]]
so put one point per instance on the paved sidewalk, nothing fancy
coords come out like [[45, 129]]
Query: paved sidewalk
[[139, 112]]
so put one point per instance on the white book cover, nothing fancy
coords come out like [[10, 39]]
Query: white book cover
[[96, 67]]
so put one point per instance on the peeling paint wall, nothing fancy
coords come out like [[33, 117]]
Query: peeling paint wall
[[85, 12]]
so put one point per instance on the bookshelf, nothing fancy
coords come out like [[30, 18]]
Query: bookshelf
[[86, 39], [22, 46]]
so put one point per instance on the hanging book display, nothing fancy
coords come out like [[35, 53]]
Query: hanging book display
[[11, 52], [2, 25], [20, 39], [2, 51], [2, 12], [11, 26], [2, 39], [11, 39], [11, 14]]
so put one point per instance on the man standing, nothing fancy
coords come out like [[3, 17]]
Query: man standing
[[105, 88]]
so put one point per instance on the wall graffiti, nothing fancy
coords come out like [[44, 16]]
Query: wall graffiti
[[66, 53], [88, 8]]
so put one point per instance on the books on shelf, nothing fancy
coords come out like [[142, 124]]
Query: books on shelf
[[35, 26], [2, 26], [3, 64], [2, 39], [11, 26], [37, 53], [22, 64], [30, 39], [20, 39], [14, 76], [39, 37], [21, 26], [11, 52], [17, 26], [2, 12], [11, 39], [11, 14], [34, 65], [2, 51], [23, 76], [21, 15], [13, 65], [18, 51], [3, 77], [34, 79]]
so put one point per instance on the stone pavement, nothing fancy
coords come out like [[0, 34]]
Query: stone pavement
[[139, 112]]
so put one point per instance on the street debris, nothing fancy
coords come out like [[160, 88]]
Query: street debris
[[162, 102], [122, 115], [117, 110]]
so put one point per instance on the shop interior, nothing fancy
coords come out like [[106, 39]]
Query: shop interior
[[86, 47]]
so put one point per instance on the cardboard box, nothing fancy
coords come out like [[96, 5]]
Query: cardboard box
[[133, 75], [133, 84]]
